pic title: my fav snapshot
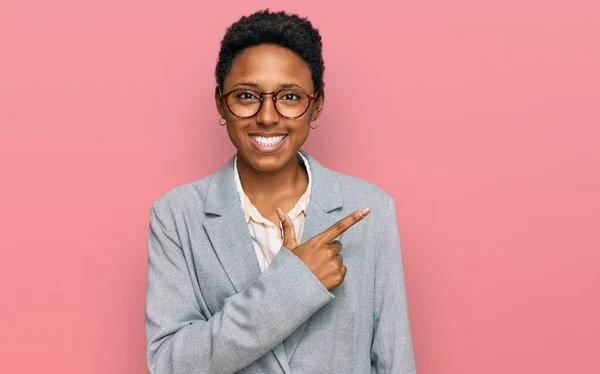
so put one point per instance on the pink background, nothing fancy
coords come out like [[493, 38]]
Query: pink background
[[481, 119]]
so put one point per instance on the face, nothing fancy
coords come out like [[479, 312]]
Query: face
[[268, 68]]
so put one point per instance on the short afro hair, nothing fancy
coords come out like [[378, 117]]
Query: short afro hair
[[265, 27]]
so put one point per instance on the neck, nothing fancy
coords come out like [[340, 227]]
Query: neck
[[280, 183]]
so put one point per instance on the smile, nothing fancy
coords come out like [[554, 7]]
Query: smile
[[270, 141]]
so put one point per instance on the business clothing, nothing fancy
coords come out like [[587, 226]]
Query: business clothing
[[266, 237], [210, 309]]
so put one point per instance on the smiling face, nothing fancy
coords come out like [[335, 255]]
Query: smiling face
[[268, 141]]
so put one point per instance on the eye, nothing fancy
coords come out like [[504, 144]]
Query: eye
[[246, 95], [289, 96]]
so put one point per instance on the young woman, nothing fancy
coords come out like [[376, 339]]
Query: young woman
[[275, 263]]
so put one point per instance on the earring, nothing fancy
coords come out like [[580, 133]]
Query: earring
[[222, 123], [316, 125]]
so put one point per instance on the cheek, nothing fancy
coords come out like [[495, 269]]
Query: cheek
[[237, 126], [234, 130], [300, 131], [301, 126]]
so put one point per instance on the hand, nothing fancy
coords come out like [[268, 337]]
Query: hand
[[321, 253]]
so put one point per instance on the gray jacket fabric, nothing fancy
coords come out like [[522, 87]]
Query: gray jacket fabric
[[209, 309]]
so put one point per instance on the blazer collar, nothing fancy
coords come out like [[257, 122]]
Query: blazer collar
[[222, 193]]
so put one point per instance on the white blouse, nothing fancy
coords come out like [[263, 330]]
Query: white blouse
[[265, 235]]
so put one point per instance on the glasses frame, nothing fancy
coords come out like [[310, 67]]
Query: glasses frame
[[225, 96]]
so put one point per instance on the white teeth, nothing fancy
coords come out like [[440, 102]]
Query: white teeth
[[268, 141]]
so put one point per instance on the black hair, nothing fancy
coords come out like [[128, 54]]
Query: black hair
[[265, 27]]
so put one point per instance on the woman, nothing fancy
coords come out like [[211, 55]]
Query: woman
[[237, 285]]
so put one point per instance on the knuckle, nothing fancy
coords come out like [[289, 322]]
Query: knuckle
[[339, 226]]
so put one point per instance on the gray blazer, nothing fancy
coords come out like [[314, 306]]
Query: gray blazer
[[209, 309]]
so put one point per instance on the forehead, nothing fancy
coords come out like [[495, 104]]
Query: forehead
[[269, 66]]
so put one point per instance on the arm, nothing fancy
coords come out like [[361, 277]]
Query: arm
[[181, 340], [391, 351]]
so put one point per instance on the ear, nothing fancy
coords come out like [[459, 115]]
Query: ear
[[219, 102], [318, 105]]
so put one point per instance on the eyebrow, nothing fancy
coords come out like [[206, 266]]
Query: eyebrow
[[255, 85], [251, 84]]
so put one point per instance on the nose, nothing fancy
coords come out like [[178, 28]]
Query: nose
[[267, 115]]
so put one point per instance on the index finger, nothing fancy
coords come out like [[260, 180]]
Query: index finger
[[342, 225]]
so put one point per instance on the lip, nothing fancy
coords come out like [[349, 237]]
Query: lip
[[267, 148], [267, 134]]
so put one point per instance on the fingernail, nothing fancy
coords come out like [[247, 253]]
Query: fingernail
[[364, 212], [280, 215]]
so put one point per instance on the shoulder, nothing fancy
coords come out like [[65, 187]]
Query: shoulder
[[351, 187], [358, 192], [356, 188], [190, 195]]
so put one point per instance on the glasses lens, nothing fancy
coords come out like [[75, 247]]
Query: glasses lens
[[292, 103], [243, 103]]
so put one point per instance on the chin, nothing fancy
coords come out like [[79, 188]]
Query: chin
[[266, 163]]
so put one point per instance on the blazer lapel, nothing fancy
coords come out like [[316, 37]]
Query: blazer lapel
[[324, 209], [227, 229]]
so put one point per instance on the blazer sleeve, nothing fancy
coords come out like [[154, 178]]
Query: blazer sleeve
[[179, 337], [391, 350]]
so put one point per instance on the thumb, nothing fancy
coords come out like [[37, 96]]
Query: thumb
[[289, 233]]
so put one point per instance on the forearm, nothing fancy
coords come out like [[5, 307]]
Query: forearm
[[252, 322]]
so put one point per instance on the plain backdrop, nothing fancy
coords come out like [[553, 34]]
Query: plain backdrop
[[481, 118]]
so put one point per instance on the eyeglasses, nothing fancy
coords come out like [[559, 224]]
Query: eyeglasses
[[246, 103]]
